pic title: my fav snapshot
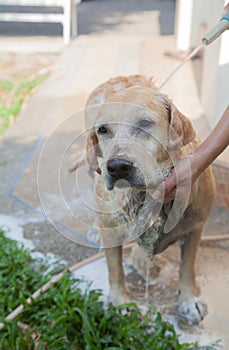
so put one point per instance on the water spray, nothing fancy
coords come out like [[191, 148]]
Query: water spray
[[213, 34]]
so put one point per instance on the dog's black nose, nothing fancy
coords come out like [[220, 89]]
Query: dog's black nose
[[119, 168]]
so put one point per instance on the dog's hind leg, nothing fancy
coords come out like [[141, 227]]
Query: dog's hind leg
[[118, 291], [191, 307]]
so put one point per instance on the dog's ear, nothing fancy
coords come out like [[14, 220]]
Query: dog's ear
[[181, 131], [93, 151]]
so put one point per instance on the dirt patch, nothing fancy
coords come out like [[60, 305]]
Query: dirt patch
[[14, 65]]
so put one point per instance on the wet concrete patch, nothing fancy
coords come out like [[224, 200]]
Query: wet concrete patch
[[47, 239], [37, 235]]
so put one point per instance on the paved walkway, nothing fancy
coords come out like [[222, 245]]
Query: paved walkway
[[100, 17], [103, 16], [120, 48]]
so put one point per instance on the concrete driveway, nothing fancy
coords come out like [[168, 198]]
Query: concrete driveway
[[122, 40]]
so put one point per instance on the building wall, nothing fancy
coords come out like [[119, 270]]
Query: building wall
[[193, 19]]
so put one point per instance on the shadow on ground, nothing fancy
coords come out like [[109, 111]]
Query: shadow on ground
[[95, 16]]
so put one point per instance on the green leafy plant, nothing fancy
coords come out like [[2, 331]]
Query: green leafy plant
[[65, 318], [12, 96]]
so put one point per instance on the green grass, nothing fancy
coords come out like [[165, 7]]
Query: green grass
[[10, 107], [64, 318]]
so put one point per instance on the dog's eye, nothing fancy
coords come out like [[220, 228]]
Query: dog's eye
[[145, 123], [102, 130]]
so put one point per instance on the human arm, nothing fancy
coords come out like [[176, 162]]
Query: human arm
[[199, 160]]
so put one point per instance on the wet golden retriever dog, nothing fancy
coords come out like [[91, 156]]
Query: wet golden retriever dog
[[135, 136]]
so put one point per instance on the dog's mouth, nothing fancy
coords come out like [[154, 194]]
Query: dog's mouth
[[124, 184]]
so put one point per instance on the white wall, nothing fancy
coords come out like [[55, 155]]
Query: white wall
[[193, 18]]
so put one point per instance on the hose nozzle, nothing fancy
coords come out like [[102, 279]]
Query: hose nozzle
[[217, 30]]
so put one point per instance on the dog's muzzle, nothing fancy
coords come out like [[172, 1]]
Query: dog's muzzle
[[119, 168], [120, 172]]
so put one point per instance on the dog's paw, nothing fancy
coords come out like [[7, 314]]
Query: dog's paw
[[192, 310], [119, 299], [118, 296], [122, 302]]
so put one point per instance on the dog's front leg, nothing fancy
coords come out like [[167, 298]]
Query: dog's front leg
[[118, 291], [191, 306]]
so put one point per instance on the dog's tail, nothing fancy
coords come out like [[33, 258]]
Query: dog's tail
[[78, 164]]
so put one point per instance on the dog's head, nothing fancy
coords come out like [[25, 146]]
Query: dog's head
[[135, 131]]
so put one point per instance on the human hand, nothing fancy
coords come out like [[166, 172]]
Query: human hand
[[183, 175], [188, 169]]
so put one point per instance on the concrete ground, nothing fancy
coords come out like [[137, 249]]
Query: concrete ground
[[103, 17], [38, 149]]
